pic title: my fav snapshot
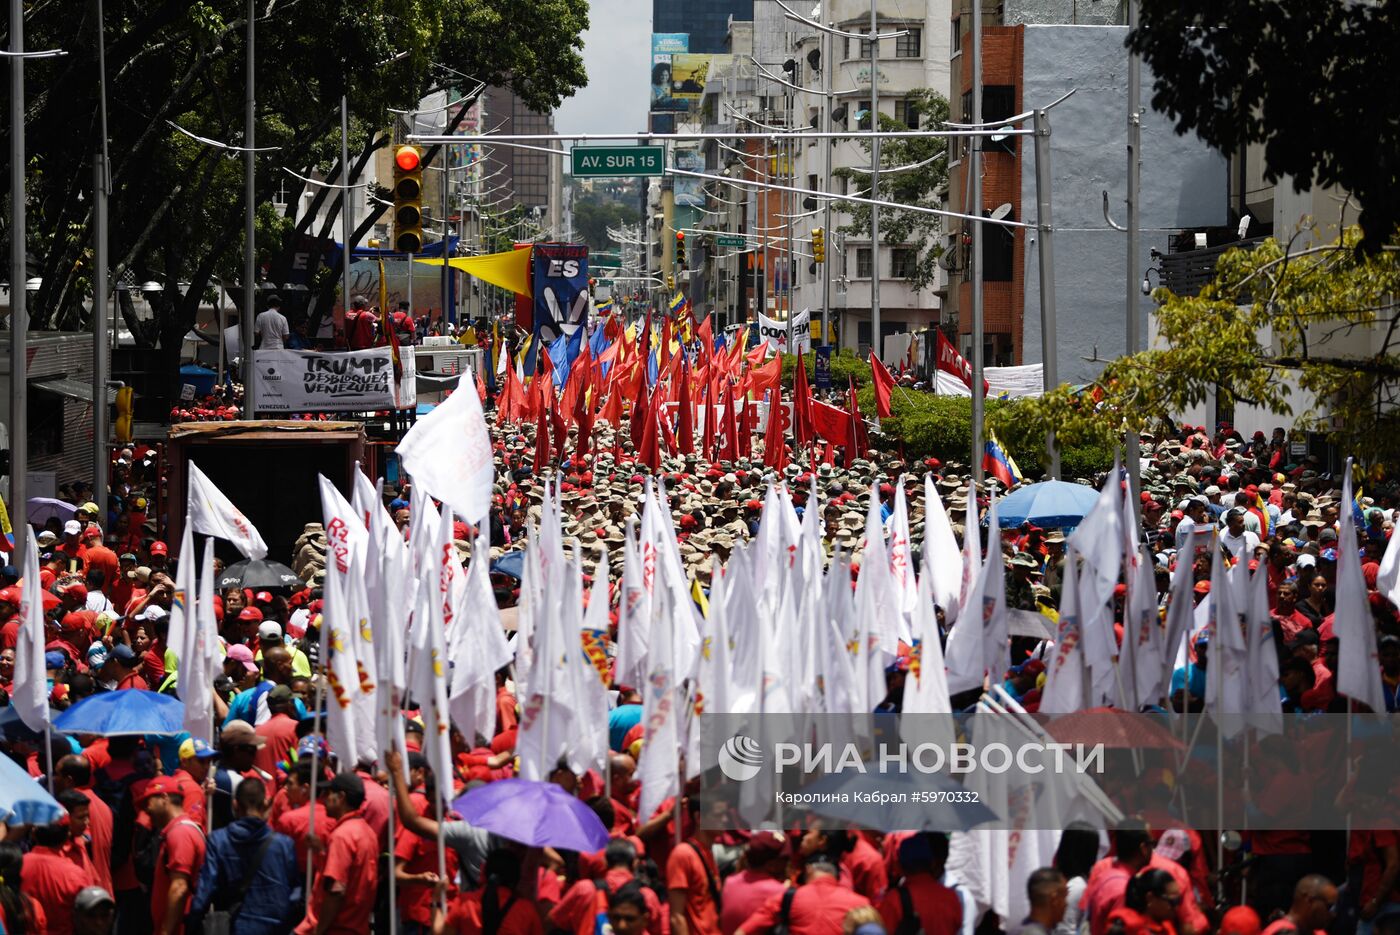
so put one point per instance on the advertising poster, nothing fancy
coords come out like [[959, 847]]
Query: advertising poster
[[688, 191], [561, 289], [688, 74], [346, 381], [664, 47]]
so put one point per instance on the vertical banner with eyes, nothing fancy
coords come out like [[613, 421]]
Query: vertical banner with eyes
[[561, 289]]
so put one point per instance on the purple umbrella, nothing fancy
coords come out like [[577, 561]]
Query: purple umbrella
[[539, 814]]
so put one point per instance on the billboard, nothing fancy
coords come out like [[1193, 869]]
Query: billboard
[[664, 47], [688, 74], [688, 191]]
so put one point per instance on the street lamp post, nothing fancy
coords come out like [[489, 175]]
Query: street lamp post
[[250, 253], [19, 316]]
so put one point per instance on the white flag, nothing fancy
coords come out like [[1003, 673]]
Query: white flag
[[1226, 678], [658, 768], [926, 686], [429, 676], [1265, 706], [902, 580], [479, 650], [448, 453], [941, 560], [1358, 667], [200, 661], [213, 514], [30, 691], [1064, 673]]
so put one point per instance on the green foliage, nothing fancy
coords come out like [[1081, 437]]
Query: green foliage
[[1275, 321], [176, 206], [594, 215], [917, 186], [1299, 76], [844, 365]]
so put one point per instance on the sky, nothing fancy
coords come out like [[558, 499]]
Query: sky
[[617, 54]]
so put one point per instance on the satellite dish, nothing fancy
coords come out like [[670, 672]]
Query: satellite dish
[[1001, 211]]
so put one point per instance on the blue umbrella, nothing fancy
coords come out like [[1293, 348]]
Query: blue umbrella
[[126, 713], [22, 800], [13, 728], [512, 563], [1052, 504], [539, 814]]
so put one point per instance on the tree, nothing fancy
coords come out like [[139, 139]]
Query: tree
[[176, 206], [594, 214], [1271, 324], [920, 185], [1304, 78]]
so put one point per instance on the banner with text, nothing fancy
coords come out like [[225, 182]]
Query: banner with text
[[775, 332], [347, 381]]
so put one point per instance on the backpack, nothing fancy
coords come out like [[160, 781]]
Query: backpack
[[709, 876], [909, 923], [783, 926]]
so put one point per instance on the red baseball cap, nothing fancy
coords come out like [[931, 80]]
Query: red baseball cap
[[159, 548], [161, 785], [250, 614], [263, 597]]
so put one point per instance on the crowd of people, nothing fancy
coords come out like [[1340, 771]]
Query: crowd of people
[[167, 834]]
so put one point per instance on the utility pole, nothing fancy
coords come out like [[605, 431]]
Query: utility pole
[[974, 165], [1045, 231], [101, 353], [250, 248], [875, 343], [347, 226], [827, 66], [1134, 275], [19, 277]]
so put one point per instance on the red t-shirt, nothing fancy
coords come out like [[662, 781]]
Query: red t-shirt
[[192, 796], [359, 329], [9, 633], [1365, 848], [578, 910], [464, 915], [181, 851], [937, 906], [280, 732], [133, 679], [419, 856], [866, 870], [100, 835], [295, 824], [690, 868], [745, 893], [352, 867], [376, 808], [52, 881], [818, 908]]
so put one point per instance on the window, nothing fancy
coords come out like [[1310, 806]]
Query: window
[[843, 185], [998, 103], [812, 182], [957, 34], [907, 112], [864, 52], [864, 266], [907, 46], [997, 243], [862, 111], [903, 262], [46, 422]]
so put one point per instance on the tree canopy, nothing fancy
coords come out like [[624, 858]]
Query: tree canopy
[[1306, 79], [1310, 334], [176, 207]]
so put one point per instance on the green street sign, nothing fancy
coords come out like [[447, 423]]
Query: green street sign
[[729, 241], [602, 162]]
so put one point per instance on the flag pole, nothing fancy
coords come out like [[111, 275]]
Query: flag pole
[[315, 758]]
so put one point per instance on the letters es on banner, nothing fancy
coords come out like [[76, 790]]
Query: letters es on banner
[[346, 381], [561, 288]]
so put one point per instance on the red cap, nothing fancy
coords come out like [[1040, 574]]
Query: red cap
[[161, 785], [753, 504], [74, 620], [250, 614], [159, 548], [77, 589], [263, 597], [10, 595], [1202, 587]]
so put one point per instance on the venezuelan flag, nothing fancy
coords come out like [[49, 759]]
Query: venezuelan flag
[[7, 532], [680, 304], [996, 462], [1266, 524], [1358, 514], [604, 307]]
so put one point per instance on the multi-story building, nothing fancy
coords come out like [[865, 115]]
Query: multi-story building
[[529, 178], [705, 21], [1033, 53]]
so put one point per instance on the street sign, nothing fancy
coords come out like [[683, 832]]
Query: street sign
[[601, 162], [729, 241]]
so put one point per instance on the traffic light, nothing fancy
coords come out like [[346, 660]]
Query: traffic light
[[121, 427], [819, 245], [408, 200], [670, 281], [680, 249]]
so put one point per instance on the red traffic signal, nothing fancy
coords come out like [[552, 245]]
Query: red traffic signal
[[680, 235], [407, 158]]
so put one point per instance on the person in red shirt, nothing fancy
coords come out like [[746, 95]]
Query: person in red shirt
[[628, 911], [415, 858], [817, 907], [76, 847], [291, 814], [692, 883], [1314, 907], [866, 869], [343, 893], [50, 878], [279, 731], [505, 704], [191, 775], [179, 860], [586, 900], [73, 772], [1108, 880], [764, 876], [359, 324], [1149, 905], [122, 667], [937, 907], [496, 907], [1377, 856], [1286, 614]]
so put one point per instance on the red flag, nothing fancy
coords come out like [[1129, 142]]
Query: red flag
[[801, 405], [685, 432], [706, 335], [859, 439], [765, 378], [648, 450], [707, 438], [481, 388], [640, 405], [612, 409], [577, 383], [950, 361], [729, 451], [775, 453], [758, 354], [541, 443], [831, 422], [884, 386]]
